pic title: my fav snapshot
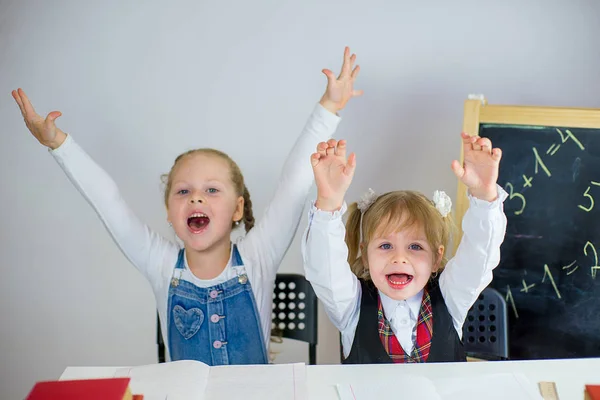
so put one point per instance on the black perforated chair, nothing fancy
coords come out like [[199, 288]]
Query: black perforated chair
[[295, 311], [294, 314], [485, 331], [159, 341]]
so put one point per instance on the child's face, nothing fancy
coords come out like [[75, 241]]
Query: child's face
[[401, 263], [203, 201]]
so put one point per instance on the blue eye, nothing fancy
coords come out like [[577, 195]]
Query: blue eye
[[415, 246], [385, 246], [183, 191], [212, 190]]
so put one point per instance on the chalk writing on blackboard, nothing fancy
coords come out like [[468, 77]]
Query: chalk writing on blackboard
[[509, 298], [539, 164], [585, 205], [586, 194], [594, 267], [512, 194], [548, 274], [527, 287], [570, 266]]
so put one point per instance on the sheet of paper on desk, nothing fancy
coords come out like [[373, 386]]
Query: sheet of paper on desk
[[405, 387], [179, 380], [490, 387], [249, 382], [409, 387]]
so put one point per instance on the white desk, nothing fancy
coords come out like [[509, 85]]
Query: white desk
[[570, 375]]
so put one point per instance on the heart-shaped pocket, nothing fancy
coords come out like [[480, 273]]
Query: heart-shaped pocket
[[188, 322]]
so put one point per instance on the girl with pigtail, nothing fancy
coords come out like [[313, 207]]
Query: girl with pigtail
[[384, 277], [214, 297]]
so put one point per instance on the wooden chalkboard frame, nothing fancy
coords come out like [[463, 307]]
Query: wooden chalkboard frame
[[477, 112]]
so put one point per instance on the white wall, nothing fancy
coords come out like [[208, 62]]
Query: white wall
[[138, 83]]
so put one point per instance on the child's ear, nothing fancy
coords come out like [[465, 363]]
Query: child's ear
[[239, 209], [438, 258], [363, 255]]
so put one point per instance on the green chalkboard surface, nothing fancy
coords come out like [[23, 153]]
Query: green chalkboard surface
[[549, 270]]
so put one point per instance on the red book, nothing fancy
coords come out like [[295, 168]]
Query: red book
[[89, 389], [592, 392]]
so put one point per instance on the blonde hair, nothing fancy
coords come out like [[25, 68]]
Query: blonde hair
[[393, 212], [236, 178]]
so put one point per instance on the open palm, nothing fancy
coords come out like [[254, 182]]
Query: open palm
[[479, 171], [333, 173], [341, 89], [44, 129]]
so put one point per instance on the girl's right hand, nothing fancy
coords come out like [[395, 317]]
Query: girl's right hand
[[333, 173], [44, 130]]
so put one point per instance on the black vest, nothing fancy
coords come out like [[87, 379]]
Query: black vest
[[368, 349]]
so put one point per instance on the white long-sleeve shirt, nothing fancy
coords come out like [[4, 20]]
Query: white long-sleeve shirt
[[262, 249], [465, 276]]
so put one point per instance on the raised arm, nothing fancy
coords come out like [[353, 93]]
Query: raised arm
[[470, 270], [324, 250], [325, 255], [484, 227], [270, 238], [144, 248]]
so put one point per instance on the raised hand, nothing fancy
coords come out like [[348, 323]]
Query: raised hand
[[479, 171], [44, 129], [341, 89], [333, 173]]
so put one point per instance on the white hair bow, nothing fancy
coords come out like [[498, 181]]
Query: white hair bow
[[442, 202], [363, 205], [366, 200]]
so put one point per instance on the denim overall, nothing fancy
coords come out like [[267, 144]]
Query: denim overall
[[218, 325]]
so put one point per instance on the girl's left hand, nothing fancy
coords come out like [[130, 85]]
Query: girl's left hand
[[341, 89], [479, 171]]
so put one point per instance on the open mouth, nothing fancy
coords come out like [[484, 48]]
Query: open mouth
[[198, 222], [399, 281]]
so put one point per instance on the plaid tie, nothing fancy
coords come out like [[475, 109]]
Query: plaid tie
[[392, 346]]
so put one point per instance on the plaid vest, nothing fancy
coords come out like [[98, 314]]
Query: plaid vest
[[421, 348], [367, 347]]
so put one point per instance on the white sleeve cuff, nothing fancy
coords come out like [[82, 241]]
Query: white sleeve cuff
[[476, 203], [63, 148], [328, 118], [315, 214]]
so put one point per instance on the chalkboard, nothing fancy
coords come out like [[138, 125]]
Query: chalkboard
[[549, 271]]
